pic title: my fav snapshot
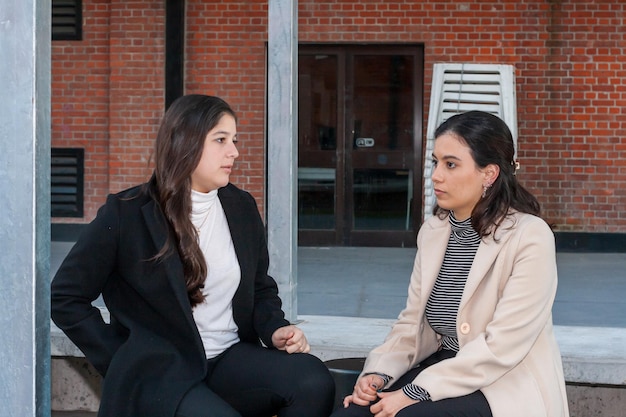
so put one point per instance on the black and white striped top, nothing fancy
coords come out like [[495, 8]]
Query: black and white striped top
[[443, 304]]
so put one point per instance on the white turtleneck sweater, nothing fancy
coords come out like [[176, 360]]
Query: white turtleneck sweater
[[214, 316]]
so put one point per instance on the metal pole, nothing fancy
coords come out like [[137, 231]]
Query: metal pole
[[25, 207], [282, 149]]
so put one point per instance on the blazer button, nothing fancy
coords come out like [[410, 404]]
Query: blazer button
[[465, 328]]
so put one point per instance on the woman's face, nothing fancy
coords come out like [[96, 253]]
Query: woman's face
[[457, 181], [218, 156]]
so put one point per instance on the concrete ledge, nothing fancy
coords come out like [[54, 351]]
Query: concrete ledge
[[61, 346], [591, 355], [593, 360]]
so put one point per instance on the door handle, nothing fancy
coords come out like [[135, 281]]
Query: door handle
[[364, 142]]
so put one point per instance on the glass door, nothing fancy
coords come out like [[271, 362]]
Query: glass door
[[359, 145], [320, 150]]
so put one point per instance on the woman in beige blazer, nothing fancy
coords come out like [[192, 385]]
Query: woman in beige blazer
[[476, 336]]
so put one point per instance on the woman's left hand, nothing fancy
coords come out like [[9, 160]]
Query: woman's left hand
[[390, 403], [290, 339]]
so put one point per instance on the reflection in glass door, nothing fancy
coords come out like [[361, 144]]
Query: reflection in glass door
[[359, 145], [318, 124]]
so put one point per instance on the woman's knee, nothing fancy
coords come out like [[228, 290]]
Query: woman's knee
[[352, 410], [200, 401], [224, 412], [316, 375], [310, 385]]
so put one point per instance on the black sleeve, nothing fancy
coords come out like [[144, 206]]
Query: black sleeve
[[81, 279]]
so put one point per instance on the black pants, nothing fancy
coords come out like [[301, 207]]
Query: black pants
[[471, 405], [252, 381]]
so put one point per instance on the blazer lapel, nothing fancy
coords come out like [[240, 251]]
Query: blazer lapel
[[434, 243], [485, 257]]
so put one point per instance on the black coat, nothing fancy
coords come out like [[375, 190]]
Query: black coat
[[151, 352]]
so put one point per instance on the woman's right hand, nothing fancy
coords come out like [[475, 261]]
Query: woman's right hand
[[365, 390]]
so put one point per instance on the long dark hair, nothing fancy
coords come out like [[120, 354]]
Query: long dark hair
[[178, 149], [490, 142]]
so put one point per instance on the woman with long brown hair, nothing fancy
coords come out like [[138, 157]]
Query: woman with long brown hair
[[181, 263]]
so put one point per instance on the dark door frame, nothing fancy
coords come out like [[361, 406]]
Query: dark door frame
[[341, 236], [174, 50]]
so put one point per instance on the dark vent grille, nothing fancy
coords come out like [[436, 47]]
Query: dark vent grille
[[66, 186], [67, 20]]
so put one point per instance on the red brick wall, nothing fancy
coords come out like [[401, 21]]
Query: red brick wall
[[225, 56], [571, 88], [137, 88], [80, 100], [569, 58], [108, 94]]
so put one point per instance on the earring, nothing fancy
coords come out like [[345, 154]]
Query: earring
[[485, 188]]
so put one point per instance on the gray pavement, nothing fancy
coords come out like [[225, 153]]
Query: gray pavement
[[73, 413], [372, 283]]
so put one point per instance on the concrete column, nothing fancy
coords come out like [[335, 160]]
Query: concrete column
[[25, 208], [282, 149]]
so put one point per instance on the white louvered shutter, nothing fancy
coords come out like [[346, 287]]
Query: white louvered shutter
[[457, 88]]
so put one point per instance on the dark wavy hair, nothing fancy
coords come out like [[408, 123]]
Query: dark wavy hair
[[178, 149], [490, 142]]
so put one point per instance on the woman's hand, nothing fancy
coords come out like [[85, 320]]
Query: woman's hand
[[365, 390], [290, 339], [390, 403]]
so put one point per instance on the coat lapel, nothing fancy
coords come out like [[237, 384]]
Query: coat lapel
[[157, 226], [237, 218]]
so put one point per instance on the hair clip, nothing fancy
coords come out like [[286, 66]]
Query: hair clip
[[516, 165]]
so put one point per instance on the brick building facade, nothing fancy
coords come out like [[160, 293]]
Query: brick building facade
[[569, 58]]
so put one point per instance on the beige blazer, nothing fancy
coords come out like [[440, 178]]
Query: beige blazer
[[504, 324]]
